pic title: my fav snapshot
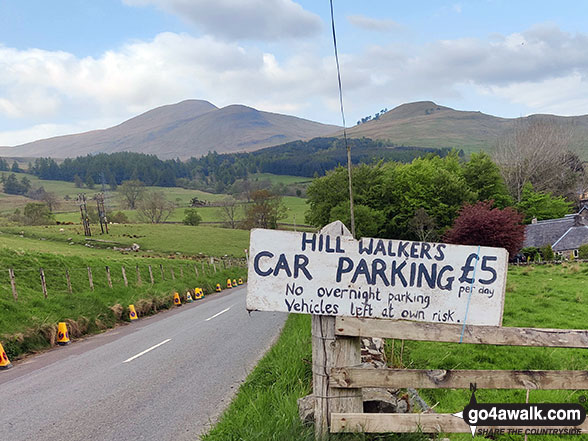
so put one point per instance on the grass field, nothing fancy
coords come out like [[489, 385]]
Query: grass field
[[280, 179], [542, 296], [68, 211], [153, 239]]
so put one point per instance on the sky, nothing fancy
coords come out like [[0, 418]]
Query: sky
[[68, 66]]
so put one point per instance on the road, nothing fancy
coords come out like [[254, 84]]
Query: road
[[165, 377]]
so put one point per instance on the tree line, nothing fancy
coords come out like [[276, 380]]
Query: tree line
[[216, 172]]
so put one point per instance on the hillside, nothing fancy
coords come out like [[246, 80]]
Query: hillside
[[426, 124], [189, 128]]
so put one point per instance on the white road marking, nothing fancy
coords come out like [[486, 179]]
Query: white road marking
[[217, 314], [146, 350]]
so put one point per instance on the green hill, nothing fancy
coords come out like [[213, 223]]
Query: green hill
[[426, 124]]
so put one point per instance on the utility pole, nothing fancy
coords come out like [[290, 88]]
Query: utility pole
[[84, 214], [101, 212]]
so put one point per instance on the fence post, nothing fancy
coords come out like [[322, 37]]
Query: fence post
[[139, 282], [196, 271], [108, 277], [172, 273], [203, 270], [181, 272], [13, 284], [124, 273], [214, 266], [151, 275], [68, 279], [161, 268], [90, 278], [329, 351], [43, 284]]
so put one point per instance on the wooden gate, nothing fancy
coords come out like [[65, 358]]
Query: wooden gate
[[350, 377]]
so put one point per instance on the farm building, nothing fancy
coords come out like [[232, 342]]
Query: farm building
[[565, 235]]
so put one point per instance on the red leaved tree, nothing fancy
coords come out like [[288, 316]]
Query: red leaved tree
[[480, 224]]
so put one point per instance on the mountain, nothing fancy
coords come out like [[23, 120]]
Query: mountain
[[189, 128], [426, 124], [195, 127]]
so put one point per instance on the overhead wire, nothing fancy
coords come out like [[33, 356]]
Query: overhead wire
[[352, 214]]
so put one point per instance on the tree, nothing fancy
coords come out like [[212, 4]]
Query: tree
[[326, 193], [265, 210], [547, 252], [483, 176], [229, 212], [542, 206], [25, 183], [39, 194], [423, 225], [154, 207], [90, 182], [15, 168], [583, 251], [3, 165], [368, 221], [480, 224], [12, 186], [435, 184], [78, 182], [35, 213], [538, 151], [191, 217], [131, 191]]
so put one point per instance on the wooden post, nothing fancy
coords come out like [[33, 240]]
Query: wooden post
[[43, 283], [124, 273], [139, 282], [161, 268], [172, 273], [203, 270], [90, 278], [108, 277], [68, 279], [151, 275], [181, 272], [214, 266], [196, 271], [13, 284], [329, 351]]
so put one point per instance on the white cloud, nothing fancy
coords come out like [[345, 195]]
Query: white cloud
[[237, 19], [543, 69], [373, 24]]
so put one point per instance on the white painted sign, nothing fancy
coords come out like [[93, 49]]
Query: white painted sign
[[377, 278]]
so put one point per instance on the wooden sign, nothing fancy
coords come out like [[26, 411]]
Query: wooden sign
[[325, 274]]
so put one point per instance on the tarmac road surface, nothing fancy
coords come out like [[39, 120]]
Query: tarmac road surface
[[165, 377]]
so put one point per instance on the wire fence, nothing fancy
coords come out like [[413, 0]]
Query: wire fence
[[48, 281]]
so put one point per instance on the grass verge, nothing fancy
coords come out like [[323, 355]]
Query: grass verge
[[29, 324], [265, 407]]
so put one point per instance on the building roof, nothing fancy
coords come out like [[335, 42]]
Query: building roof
[[547, 232], [566, 233], [572, 239]]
